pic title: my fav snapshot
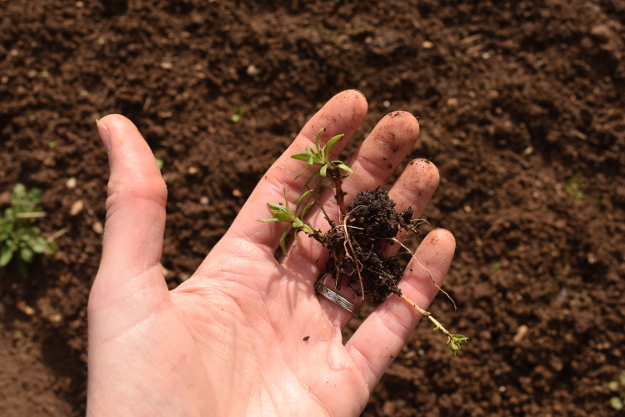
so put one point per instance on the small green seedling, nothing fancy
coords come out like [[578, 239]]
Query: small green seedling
[[283, 213], [18, 234], [618, 387], [238, 113], [345, 251], [159, 160], [575, 187]]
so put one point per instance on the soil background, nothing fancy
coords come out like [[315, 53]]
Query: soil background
[[521, 107]]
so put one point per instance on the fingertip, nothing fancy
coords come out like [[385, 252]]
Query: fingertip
[[416, 186], [441, 238], [435, 254], [424, 173], [406, 121], [356, 95]]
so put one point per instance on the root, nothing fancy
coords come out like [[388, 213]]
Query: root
[[428, 271], [354, 258]]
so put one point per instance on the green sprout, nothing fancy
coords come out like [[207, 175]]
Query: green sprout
[[159, 160], [238, 113], [321, 159], [18, 234], [618, 401], [283, 214], [575, 187]]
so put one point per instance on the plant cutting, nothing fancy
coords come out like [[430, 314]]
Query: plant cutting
[[358, 241]]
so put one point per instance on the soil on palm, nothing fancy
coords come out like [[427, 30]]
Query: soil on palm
[[357, 247]]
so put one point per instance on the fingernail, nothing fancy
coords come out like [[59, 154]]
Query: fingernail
[[104, 135]]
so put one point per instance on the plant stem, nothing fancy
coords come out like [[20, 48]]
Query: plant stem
[[339, 194], [439, 326]]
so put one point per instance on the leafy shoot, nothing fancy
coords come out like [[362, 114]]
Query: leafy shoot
[[295, 218], [18, 234], [320, 158]]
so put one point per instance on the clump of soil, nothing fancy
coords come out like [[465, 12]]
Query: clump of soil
[[357, 247]]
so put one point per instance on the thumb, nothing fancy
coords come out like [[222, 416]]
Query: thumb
[[135, 219]]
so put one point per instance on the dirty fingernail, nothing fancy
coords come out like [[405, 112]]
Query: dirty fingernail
[[104, 135]]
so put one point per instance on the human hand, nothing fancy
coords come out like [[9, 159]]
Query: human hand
[[229, 341]]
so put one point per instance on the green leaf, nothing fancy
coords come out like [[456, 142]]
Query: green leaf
[[302, 157], [616, 403], [35, 195], [323, 171], [300, 201], [19, 192], [273, 219], [6, 254], [39, 245], [317, 139], [297, 223], [307, 229], [26, 254], [305, 209], [283, 239], [330, 144], [301, 172], [344, 167]]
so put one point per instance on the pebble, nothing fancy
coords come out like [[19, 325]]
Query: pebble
[[520, 333], [98, 228], [71, 183], [76, 208], [252, 70]]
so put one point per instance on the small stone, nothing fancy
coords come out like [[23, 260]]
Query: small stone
[[98, 228], [467, 209], [237, 193], [25, 308], [71, 183], [204, 201], [56, 318], [386, 103], [80, 4], [520, 333], [76, 208], [193, 170], [252, 70], [166, 65], [427, 45], [452, 101], [602, 33], [4, 79]]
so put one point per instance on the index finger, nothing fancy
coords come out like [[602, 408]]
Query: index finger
[[342, 114]]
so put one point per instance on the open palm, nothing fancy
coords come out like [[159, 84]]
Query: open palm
[[246, 334]]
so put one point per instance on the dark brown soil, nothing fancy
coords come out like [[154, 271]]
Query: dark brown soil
[[515, 99], [357, 245]]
